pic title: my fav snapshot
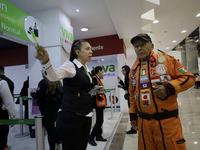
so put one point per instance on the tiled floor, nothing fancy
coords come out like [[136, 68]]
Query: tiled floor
[[114, 130], [27, 143]]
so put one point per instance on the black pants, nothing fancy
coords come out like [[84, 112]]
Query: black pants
[[49, 112], [4, 129], [73, 130], [97, 131]]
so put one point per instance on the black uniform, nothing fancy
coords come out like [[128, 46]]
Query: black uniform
[[4, 113], [73, 125], [49, 111]]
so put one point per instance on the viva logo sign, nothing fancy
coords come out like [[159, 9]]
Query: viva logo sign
[[66, 35], [111, 68], [108, 71]]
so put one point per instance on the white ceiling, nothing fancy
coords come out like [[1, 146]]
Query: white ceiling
[[123, 17]]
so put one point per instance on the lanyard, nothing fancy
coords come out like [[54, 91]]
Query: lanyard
[[88, 74], [100, 80]]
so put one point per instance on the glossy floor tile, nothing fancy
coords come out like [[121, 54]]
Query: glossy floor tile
[[27, 143]]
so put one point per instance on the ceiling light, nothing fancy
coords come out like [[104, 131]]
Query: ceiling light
[[198, 15], [183, 31], [195, 142], [167, 48], [102, 60], [84, 29], [174, 41], [156, 21], [77, 10]]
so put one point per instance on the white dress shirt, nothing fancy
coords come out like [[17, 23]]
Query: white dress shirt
[[67, 70], [7, 99]]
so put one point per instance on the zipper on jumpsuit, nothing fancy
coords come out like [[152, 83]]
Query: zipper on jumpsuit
[[155, 107]]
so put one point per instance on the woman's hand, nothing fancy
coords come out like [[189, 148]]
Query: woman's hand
[[119, 79], [31, 92], [120, 86], [99, 90], [44, 58]]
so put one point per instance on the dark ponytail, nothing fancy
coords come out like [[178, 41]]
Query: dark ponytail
[[96, 70], [75, 46]]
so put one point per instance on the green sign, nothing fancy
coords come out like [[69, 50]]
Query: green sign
[[12, 20], [110, 68]]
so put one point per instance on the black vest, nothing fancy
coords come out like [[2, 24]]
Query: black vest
[[76, 98]]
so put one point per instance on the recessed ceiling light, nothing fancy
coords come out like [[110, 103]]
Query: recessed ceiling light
[[156, 21], [84, 29], [195, 142], [183, 31], [167, 48], [198, 15], [102, 60], [77, 10], [174, 41]]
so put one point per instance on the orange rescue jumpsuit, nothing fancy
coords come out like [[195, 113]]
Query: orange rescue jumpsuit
[[159, 126]]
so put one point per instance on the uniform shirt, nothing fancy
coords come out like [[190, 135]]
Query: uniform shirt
[[67, 70], [7, 99], [10, 83]]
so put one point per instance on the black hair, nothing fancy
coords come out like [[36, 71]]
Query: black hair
[[96, 70], [127, 68], [75, 46], [1, 68]]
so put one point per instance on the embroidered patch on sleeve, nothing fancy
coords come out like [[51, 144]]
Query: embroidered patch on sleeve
[[182, 70], [165, 78]]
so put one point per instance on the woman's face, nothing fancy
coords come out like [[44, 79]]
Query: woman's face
[[124, 71], [100, 73], [85, 54]]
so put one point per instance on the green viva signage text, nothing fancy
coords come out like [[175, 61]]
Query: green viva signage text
[[12, 20], [110, 68]]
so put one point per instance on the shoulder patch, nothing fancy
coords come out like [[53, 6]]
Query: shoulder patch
[[182, 70], [161, 59]]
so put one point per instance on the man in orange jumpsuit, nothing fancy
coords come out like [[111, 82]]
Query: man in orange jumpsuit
[[155, 81]]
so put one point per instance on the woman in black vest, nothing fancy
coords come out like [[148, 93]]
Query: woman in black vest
[[46, 100], [125, 85], [97, 131], [74, 117]]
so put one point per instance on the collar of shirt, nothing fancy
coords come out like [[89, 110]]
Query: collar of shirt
[[79, 65]]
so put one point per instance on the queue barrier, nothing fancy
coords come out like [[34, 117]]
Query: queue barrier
[[111, 102], [22, 133], [39, 129]]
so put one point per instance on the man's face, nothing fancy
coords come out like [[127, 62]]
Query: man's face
[[142, 49]]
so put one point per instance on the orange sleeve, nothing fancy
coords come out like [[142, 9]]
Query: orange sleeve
[[182, 78]]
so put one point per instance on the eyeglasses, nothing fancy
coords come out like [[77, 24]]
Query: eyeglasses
[[123, 70]]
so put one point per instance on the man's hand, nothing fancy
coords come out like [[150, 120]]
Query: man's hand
[[44, 58], [134, 124], [160, 92]]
